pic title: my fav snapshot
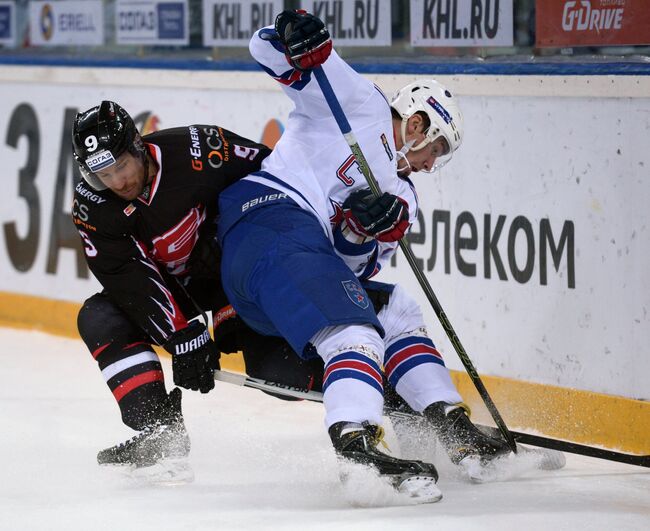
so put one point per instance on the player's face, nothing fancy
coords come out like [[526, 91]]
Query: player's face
[[126, 177], [424, 159]]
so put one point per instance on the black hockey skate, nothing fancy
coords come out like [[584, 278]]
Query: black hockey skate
[[459, 437], [357, 444], [159, 452]]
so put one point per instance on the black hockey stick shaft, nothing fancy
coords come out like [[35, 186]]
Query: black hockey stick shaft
[[581, 449], [522, 438], [346, 130]]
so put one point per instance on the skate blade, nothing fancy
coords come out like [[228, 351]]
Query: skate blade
[[363, 486], [166, 472], [420, 489], [510, 466], [479, 470], [547, 459]]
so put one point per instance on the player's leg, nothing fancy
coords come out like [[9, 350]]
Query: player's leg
[[283, 277], [133, 373], [266, 357], [416, 371]]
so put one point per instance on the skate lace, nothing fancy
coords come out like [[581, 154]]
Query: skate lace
[[129, 442], [460, 405], [377, 437]]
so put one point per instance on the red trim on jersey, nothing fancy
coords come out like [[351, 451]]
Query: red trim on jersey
[[174, 315], [412, 350], [100, 350], [135, 344], [296, 75], [132, 383], [154, 151], [354, 365]]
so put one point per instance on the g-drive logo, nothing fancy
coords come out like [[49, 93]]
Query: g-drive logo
[[100, 160], [439, 109], [582, 16]]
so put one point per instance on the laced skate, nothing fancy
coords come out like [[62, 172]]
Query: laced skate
[[459, 437], [356, 444], [159, 452]]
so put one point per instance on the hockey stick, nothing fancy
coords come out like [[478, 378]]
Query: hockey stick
[[346, 130], [266, 385], [522, 438]]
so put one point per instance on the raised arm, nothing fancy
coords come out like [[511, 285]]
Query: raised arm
[[289, 50]]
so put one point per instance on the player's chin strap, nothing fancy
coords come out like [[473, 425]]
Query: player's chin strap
[[401, 156]]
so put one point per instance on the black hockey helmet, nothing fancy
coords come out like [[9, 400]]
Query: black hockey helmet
[[99, 136]]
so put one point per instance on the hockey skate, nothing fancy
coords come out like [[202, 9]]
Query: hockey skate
[[158, 454], [466, 445], [408, 481], [459, 437]]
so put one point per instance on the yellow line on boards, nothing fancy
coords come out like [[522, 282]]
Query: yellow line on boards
[[576, 415], [584, 417]]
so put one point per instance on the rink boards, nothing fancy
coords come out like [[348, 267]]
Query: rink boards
[[534, 237]]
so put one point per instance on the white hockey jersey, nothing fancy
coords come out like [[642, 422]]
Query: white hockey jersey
[[312, 162]]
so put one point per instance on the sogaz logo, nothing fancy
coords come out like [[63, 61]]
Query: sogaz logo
[[101, 160], [47, 22]]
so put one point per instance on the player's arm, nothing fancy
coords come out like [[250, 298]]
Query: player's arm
[[290, 49], [132, 280], [371, 227]]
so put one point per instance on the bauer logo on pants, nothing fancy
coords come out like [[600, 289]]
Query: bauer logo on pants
[[356, 293]]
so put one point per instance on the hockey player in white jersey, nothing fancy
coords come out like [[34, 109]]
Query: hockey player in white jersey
[[300, 236]]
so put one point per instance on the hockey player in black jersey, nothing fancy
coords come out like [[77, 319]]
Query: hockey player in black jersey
[[146, 212]]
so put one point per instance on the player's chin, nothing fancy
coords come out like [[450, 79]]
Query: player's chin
[[130, 194], [404, 172]]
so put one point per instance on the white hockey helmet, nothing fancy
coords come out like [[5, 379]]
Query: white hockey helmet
[[437, 102]]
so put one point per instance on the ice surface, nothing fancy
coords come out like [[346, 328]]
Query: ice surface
[[260, 463]]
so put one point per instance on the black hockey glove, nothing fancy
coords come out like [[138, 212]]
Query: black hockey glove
[[385, 218], [194, 357], [306, 41]]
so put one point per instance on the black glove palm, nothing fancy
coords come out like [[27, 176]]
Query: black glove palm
[[385, 218], [194, 357], [306, 40]]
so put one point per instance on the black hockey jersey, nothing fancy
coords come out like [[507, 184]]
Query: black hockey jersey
[[136, 248]]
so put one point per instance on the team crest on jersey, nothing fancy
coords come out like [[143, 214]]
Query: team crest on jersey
[[384, 141], [130, 209], [355, 293]]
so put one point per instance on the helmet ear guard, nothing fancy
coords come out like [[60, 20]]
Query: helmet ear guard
[[438, 104], [99, 136]]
